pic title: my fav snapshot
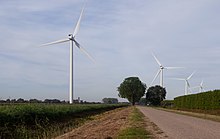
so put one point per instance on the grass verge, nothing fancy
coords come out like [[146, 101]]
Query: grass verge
[[136, 127]]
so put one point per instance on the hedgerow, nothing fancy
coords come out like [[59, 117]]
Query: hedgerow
[[205, 101]]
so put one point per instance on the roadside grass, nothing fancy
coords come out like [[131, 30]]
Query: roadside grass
[[194, 114], [135, 128]]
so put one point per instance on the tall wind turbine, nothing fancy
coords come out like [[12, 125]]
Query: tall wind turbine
[[160, 71], [187, 85], [71, 38]]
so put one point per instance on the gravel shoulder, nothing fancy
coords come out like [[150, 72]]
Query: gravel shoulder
[[177, 126]]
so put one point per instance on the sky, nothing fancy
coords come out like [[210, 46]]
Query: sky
[[119, 34]]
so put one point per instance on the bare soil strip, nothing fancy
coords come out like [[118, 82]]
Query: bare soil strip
[[104, 126]]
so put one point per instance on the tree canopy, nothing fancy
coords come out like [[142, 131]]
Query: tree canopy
[[132, 89], [155, 95]]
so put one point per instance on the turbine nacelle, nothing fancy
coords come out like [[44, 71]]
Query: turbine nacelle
[[71, 36]]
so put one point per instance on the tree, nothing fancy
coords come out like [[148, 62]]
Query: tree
[[132, 89], [20, 100], [110, 100], [155, 95]]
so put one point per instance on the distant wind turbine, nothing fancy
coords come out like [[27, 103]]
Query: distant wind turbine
[[201, 88], [71, 38], [187, 85], [160, 71]]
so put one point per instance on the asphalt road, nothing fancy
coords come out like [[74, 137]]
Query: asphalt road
[[178, 126]]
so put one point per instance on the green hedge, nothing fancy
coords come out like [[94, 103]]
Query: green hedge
[[205, 101], [167, 103]]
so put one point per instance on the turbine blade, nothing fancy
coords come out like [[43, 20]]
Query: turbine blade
[[158, 62], [178, 79], [155, 76], [83, 50], [188, 83], [76, 43], [191, 75], [173, 67], [201, 84], [190, 90], [76, 30], [202, 87], [88, 55], [55, 42]]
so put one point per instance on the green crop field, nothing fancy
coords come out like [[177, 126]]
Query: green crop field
[[45, 120]]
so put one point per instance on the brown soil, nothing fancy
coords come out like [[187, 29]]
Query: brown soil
[[105, 126]]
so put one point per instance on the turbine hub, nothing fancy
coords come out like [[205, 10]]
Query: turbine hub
[[70, 36]]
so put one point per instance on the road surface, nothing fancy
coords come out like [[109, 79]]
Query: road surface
[[178, 126]]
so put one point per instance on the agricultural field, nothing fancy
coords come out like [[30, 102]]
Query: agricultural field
[[45, 120]]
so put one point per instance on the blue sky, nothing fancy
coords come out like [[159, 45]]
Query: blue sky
[[120, 35]]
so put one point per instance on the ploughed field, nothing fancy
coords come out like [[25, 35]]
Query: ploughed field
[[46, 120]]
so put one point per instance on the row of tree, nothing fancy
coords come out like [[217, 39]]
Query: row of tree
[[133, 90], [21, 100], [110, 100]]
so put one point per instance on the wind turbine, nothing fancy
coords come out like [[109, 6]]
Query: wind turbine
[[201, 88], [71, 38], [187, 85], [160, 71]]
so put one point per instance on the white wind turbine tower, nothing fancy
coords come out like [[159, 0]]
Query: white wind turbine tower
[[187, 85], [160, 71], [71, 38]]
